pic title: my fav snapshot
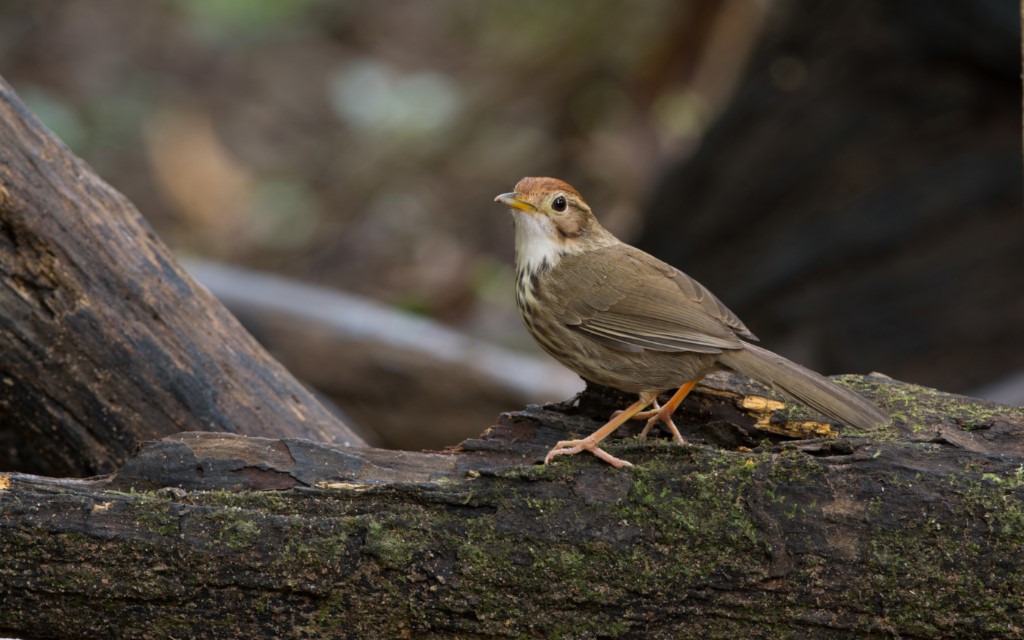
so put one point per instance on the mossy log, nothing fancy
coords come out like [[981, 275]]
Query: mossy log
[[104, 339], [912, 532]]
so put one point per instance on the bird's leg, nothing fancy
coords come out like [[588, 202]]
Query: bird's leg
[[664, 414], [570, 447]]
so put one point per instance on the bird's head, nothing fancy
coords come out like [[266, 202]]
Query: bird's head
[[551, 219]]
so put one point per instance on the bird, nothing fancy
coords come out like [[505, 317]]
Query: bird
[[620, 317]]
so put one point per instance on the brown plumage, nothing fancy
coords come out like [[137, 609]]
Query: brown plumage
[[622, 318]]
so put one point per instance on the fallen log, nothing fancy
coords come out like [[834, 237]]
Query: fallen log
[[104, 339], [913, 532]]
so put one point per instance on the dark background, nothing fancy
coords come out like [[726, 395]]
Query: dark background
[[845, 176]]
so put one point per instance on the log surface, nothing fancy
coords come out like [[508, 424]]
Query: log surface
[[912, 532]]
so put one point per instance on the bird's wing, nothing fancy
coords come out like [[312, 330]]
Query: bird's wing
[[635, 302]]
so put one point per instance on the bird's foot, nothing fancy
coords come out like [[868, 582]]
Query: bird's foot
[[572, 447]]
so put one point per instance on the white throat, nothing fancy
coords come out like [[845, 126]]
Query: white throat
[[537, 242]]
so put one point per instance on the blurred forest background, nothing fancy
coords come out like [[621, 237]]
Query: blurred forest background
[[845, 176]]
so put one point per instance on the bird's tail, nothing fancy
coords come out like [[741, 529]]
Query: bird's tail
[[816, 391]]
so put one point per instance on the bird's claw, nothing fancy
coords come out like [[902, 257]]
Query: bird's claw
[[571, 447]]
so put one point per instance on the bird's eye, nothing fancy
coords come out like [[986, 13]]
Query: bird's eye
[[558, 204]]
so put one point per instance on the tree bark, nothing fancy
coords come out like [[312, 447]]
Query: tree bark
[[104, 340], [915, 532]]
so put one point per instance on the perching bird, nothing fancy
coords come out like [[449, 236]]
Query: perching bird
[[622, 318]]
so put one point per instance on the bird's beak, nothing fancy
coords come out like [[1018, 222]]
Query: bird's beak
[[515, 200]]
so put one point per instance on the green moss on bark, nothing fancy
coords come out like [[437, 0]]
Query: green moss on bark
[[775, 538]]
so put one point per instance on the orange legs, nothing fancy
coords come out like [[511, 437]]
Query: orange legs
[[633, 412], [570, 447]]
